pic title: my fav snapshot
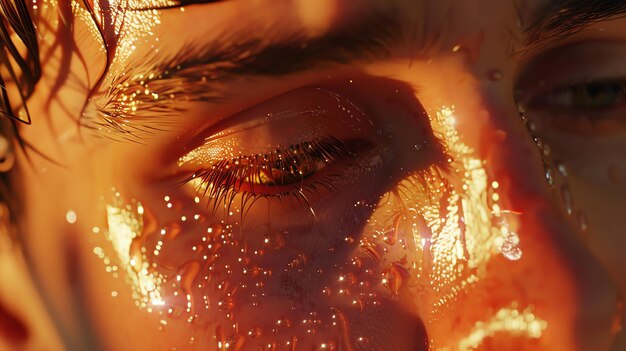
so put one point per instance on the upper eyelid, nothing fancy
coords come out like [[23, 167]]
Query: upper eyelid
[[565, 65]]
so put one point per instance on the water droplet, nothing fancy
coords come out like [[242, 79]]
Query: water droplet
[[226, 304], [328, 346], [70, 216], [539, 142], [495, 75], [255, 332], [395, 277], [562, 169], [135, 254], [508, 244], [274, 240], [546, 150], [188, 272], [549, 176], [371, 250], [566, 198], [171, 230]]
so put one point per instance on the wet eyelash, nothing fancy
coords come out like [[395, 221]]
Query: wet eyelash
[[222, 181]]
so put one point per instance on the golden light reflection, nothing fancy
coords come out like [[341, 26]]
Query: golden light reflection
[[125, 223], [506, 320], [455, 220], [211, 152]]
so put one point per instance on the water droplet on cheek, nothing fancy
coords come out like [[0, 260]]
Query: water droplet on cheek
[[171, 230], [395, 277], [274, 240], [226, 303], [188, 273]]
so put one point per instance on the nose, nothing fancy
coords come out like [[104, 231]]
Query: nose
[[556, 273]]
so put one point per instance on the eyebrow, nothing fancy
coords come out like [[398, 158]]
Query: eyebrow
[[257, 54], [558, 19], [192, 70]]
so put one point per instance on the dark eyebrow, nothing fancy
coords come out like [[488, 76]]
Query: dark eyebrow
[[560, 18], [193, 69], [258, 54]]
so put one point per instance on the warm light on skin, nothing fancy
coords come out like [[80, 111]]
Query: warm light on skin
[[125, 225], [456, 236], [507, 320], [455, 230]]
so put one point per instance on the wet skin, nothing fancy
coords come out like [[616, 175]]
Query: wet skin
[[423, 193]]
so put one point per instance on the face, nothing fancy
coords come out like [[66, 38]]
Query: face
[[329, 175]]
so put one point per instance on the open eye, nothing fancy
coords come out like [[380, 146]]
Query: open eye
[[295, 163], [306, 144], [579, 89], [306, 139], [593, 96]]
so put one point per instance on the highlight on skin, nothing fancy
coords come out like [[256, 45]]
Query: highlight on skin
[[303, 222]]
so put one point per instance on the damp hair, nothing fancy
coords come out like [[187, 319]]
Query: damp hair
[[21, 68], [19, 65]]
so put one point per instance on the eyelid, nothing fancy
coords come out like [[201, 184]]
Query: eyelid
[[572, 64], [304, 114]]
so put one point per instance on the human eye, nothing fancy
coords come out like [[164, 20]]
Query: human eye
[[595, 107], [275, 150], [580, 97], [573, 100], [255, 222], [578, 90]]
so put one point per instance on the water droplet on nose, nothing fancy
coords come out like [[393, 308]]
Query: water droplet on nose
[[495, 75]]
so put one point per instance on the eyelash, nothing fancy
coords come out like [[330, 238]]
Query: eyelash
[[224, 180]]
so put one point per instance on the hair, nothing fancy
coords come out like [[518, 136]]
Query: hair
[[19, 65]]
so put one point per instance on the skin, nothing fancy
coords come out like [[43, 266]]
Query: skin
[[569, 278]]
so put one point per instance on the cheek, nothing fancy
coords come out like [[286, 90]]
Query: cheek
[[273, 271]]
